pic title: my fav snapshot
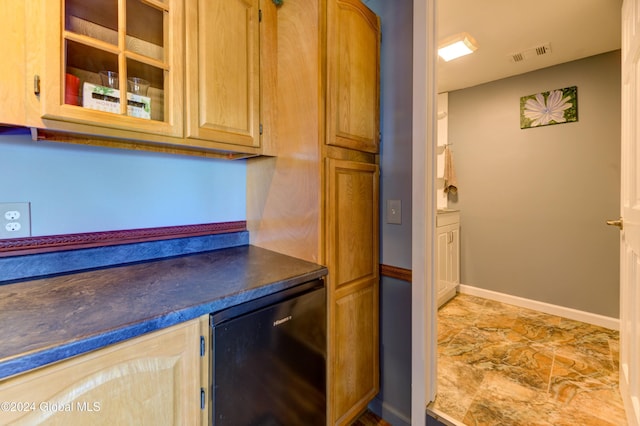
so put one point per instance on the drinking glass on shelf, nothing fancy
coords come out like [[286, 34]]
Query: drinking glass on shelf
[[109, 79], [138, 86]]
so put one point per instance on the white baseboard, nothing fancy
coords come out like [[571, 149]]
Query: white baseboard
[[388, 413], [547, 308], [441, 417]]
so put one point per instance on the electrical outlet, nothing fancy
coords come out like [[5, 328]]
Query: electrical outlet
[[13, 226], [15, 220], [12, 215]]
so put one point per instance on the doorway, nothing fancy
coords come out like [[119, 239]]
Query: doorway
[[605, 215]]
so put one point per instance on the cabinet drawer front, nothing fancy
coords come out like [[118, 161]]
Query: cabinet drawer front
[[448, 218]]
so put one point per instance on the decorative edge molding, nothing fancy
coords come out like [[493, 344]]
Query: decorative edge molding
[[51, 243], [395, 272], [547, 308]]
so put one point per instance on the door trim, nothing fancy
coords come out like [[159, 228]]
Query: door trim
[[423, 288]]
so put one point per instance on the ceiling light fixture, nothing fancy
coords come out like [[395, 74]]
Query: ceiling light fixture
[[456, 46]]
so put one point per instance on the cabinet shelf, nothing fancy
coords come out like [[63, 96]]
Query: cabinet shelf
[[104, 13], [92, 47]]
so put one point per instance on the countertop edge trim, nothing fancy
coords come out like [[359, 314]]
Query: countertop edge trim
[[53, 243]]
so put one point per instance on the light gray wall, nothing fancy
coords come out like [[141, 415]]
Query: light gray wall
[[534, 202], [76, 188], [394, 400]]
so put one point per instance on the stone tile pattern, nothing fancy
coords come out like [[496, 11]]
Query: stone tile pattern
[[499, 364]]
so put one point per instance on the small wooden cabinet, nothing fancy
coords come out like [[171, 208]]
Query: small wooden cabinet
[[223, 72], [447, 254], [353, 69], [152, 379]]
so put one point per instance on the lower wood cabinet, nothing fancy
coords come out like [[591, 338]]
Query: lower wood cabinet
[[155, 379], [352, 254], [355, 352]]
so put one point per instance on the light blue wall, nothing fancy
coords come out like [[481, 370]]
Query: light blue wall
[[395, 125], [76, 188], [393, 402]]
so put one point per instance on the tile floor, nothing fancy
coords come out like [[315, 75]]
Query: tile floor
[[504, 365]]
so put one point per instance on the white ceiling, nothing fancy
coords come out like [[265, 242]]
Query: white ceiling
[[574, 29]]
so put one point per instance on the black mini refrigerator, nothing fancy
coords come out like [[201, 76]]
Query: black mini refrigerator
[[269, 360]]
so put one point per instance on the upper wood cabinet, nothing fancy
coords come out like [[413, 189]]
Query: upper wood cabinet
[[353, 76], [70, 42], [223, 71], [204, 61]]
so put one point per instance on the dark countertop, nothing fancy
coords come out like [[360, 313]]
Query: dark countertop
[[50, 319]]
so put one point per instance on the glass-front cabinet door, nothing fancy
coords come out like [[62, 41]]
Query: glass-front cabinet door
[[115, 64]]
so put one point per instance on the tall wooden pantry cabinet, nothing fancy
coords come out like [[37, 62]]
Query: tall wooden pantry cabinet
[[317, 198]]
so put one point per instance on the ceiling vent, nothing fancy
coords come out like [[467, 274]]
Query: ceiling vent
[[544, 49]]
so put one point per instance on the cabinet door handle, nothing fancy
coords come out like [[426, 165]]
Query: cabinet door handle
[[36, 85]]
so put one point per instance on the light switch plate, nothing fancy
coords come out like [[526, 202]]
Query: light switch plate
[[394, 212]]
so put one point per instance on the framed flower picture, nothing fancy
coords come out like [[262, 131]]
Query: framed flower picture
[[546, 108]]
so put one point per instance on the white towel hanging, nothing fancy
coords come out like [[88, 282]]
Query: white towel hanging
[[450, 181]]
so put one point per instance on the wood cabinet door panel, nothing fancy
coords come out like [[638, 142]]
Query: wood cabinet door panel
[[352, 233], [152, 379], [223, 71], [355, 370], [353, 221], [353, 63]]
